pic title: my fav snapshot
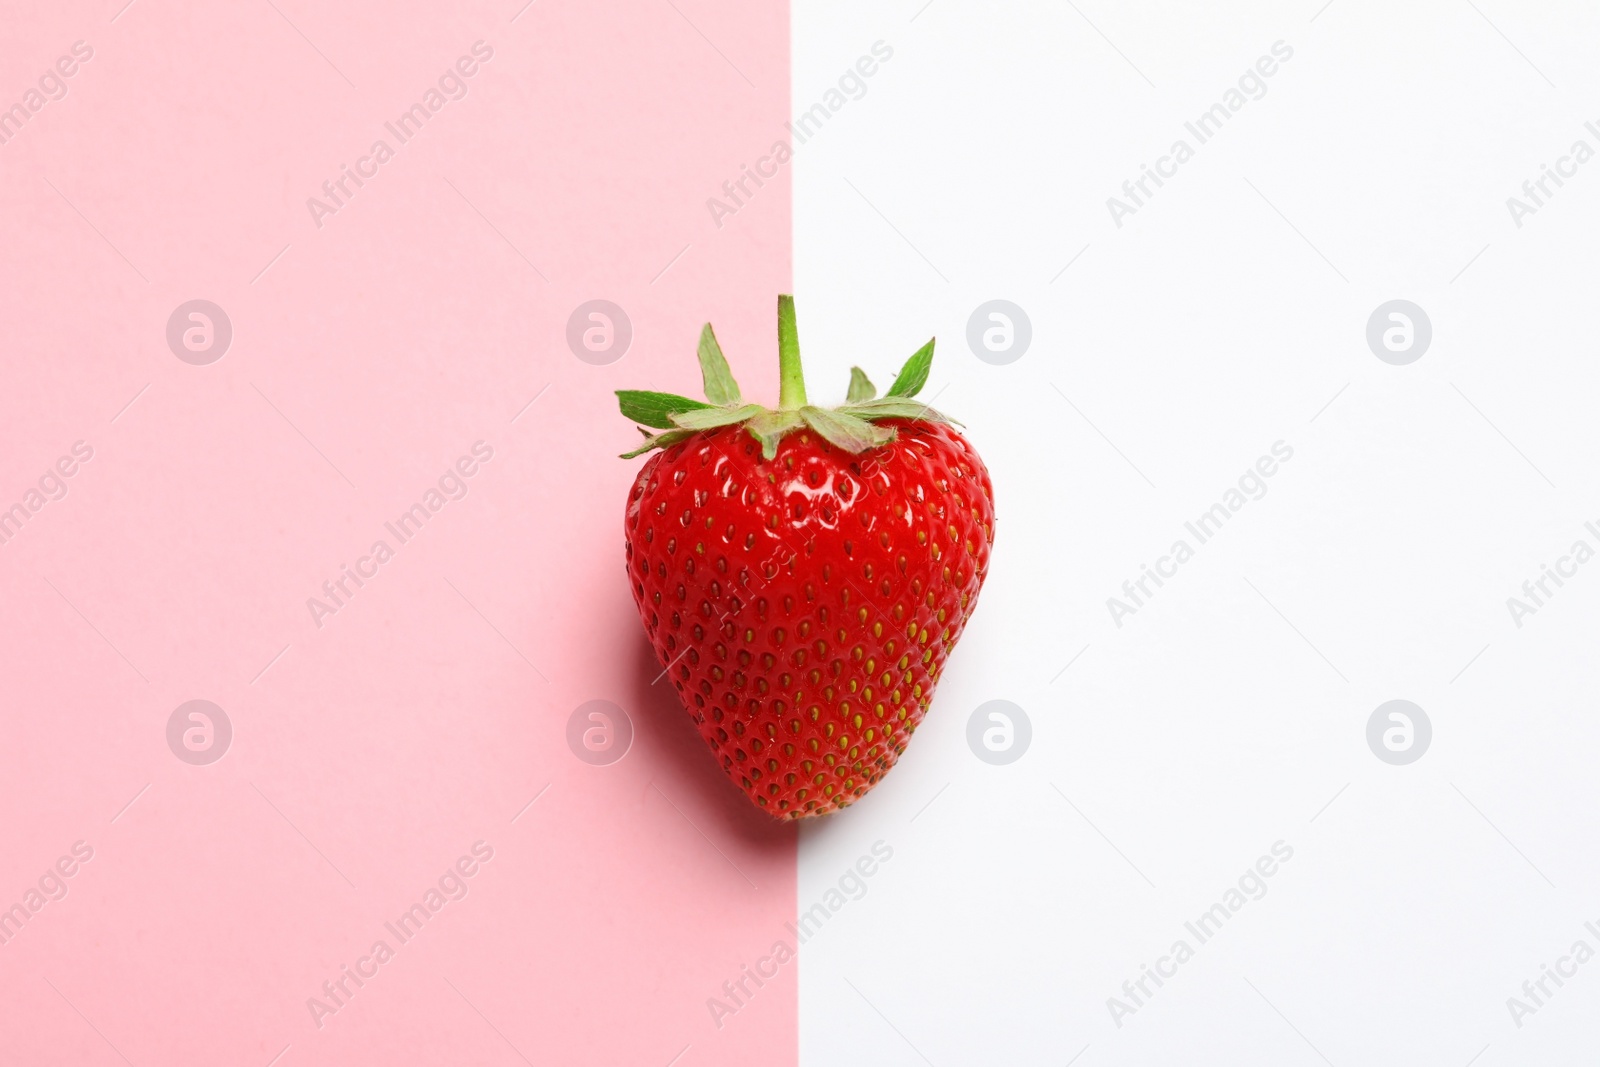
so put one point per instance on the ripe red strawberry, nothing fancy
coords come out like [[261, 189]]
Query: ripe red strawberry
[[802, 572]]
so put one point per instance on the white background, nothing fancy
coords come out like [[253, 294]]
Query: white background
[[1228, 713]]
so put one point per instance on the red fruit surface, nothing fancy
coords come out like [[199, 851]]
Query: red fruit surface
[[804, 606]]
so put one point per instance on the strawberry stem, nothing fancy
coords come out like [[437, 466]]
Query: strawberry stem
[[791, 376], [853, 427]]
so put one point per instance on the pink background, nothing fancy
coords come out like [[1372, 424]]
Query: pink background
[[376, 749]]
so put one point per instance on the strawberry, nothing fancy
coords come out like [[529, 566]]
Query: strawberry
[[804, 572]]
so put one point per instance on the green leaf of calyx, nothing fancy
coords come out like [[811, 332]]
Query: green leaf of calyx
[[708, 418], [655, 409], [660, 440], [769, 428], [914, 375], [846, 431], [721, 389], [861, 387], [893, 407]]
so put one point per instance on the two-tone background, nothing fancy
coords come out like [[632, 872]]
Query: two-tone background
[[1274, 324]]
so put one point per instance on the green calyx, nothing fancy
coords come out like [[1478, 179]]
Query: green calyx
[[851, 426]]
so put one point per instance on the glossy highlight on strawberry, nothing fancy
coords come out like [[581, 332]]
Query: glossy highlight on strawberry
[[803, 574]]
